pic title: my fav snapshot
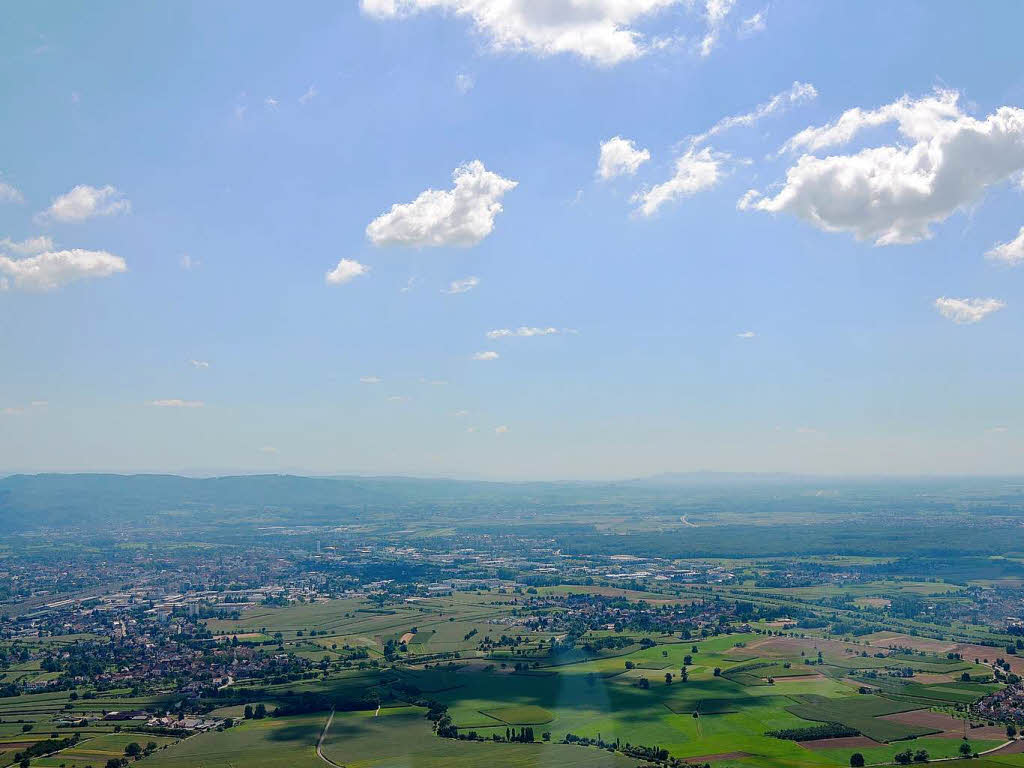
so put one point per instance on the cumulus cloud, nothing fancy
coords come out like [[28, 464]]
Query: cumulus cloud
[[1011, 252], [967, 311], [463, 215], [746, 335], [346, 271], [370, 380], [27, 247], [464, 83], [753, 24], [489, 355], [310, 94], [188, 263], [525, 331], [598, 31], [85, 202], [200, 364], [701, 168], [49, 270], [894, 193], [9, 193], [176, 403], [464, 285], [620, 156], [696, 170]]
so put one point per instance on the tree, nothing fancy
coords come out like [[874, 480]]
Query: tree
[[260, 712], [687, 660], [684, 675], [966, 749], [904, 757], [921, 756], [247, 713], [668, 678], [134, 749], [718, 671], [856, 760], [1011, 731]]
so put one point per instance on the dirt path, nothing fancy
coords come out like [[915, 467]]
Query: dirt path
[[320, 742]]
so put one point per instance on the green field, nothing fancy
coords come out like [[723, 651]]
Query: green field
[[862, 713]]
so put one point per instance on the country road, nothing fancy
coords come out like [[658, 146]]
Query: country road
[[320, 742]]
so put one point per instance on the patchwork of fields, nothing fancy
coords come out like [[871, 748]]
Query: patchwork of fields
[[739, 686]]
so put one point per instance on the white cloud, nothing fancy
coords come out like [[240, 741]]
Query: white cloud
[[746, 335], [310, 94], [200, 363], [501, 430], [967, 311], [489, 355], [753, 24], [796, 94], [463, 215], [997, 430], [346, 271], [748, 200], [525, 331], [270, 102], [599, 31], [715, 11], [176, 403], [461, 414], [696, 170], [84, 202], [894, 193], [464, 285], [52, 269], [268, 449], [9, 193], [27, 247], [464, 83], [370, 380], [1011, 252], [620, 156], [409, 284]]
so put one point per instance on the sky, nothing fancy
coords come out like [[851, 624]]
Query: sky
[[579, 239]]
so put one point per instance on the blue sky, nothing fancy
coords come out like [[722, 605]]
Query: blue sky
[[199, 169]]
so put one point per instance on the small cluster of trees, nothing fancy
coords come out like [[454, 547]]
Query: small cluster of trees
[[524, 735], [254, 714], [906, 757]]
